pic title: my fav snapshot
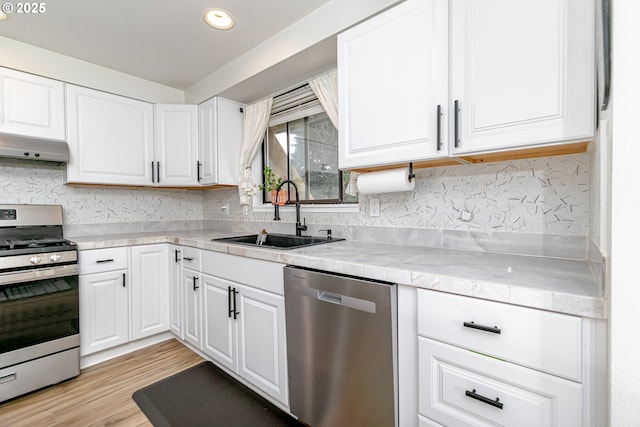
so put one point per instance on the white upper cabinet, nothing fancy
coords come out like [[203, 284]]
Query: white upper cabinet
[[110, 138], [220, 139], [392, 76], [31, 105], [523, 73], [176, 145]]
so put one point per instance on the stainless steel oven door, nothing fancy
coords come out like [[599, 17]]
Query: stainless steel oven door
[[39, 313]]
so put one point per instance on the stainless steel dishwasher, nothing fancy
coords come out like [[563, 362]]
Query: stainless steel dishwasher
[[341, 349]]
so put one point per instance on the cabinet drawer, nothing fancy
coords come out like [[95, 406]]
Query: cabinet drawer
[[458, 387], [551, 342], [265, 275], [100, 260], [191, 258]]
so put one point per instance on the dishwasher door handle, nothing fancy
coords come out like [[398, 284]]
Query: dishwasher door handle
[[329, 297]]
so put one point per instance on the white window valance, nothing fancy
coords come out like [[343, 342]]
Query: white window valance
[[293, 104]]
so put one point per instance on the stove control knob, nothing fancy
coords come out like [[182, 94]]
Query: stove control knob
[[55, 258], [36, 259]]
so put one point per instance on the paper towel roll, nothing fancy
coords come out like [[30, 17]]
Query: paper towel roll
[[386, 181]]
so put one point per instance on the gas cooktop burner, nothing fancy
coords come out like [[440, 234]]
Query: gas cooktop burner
[[26, 247], [32, 243], [31, 230]]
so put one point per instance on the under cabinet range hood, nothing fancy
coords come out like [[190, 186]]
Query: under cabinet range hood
[[19, 147]]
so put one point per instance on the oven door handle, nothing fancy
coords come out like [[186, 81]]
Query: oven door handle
[[21, 276]]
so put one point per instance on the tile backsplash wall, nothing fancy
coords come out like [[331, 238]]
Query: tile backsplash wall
[[536, 196], [42, 183], [546, 195]]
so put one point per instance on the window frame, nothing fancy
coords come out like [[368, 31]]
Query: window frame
[[303, 201], [307, 107]]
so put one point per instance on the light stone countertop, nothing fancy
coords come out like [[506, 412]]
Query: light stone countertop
[[564, 286]]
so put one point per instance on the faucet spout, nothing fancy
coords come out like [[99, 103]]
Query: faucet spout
[[276, 214]]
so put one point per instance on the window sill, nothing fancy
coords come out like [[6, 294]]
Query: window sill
[[332, 208]]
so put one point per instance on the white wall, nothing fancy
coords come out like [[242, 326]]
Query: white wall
[[31, 59], [624, 318]]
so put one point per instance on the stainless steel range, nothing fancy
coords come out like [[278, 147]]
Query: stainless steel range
[[39, 304]]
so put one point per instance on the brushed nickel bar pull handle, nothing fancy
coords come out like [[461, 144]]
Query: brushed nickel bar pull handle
[[102, 261], [496, 403], [124, 280], [186, 258], [177, 252], [153, 173], [195, 285], [473, 325], [158, 172]]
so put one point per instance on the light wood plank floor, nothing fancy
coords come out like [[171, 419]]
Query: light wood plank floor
[[101, 394]]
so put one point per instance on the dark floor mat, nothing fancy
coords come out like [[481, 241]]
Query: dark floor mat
[[204, 395]]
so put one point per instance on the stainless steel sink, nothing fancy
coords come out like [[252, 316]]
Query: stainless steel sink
[[279, 241]]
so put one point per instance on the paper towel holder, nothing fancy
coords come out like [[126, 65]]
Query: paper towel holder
[[411, 174]]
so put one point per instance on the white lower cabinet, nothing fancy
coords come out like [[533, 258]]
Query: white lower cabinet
[[176, 291], [104, 299], [149, 290], [471, 362], [244, 326], [220, 328], [123, 295], [104, 311], [192, 308], [192, 296], [261, 341], [463, 388]]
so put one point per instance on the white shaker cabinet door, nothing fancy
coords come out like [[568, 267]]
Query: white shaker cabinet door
[[220, 123], [393, 80], [104, 311], [219, 329], [176, 145], [31, 105], [261, 341], [522, 73], [192, 308], [149, 290], [176, 291], [110, 138]]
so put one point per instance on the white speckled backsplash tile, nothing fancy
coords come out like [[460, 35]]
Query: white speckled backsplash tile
[[30, 182], [534, 207], [545, 195]]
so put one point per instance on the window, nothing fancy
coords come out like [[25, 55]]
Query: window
[[301, 144]]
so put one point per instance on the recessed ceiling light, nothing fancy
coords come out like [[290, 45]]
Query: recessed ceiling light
[[218, 18]]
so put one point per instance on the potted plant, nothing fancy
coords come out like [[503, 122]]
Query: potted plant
[[271, 182]]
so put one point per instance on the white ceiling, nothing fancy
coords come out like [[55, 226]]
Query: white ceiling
[[164, 41]]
